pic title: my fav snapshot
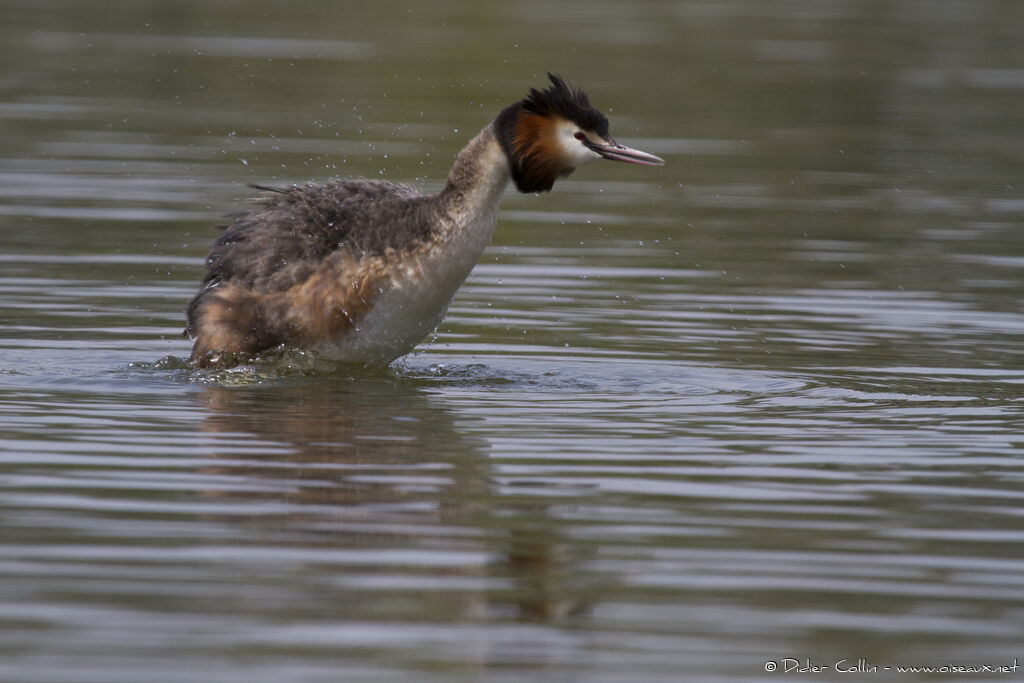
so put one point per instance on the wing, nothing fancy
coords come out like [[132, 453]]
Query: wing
[[295, 228]]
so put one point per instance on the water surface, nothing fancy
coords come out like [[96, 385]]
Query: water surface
[[761, 403]]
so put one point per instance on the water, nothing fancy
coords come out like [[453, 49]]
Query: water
[[760, 405]]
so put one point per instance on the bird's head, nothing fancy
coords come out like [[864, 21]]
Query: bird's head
[[552, 131]]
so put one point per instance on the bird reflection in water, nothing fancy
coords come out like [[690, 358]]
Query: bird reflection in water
[[377, 466]]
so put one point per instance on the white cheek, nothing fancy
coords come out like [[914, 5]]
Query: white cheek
[[575, 152], [581, 155]]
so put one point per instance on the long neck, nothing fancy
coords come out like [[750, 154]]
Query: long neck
[[461, 220], [475, 184]]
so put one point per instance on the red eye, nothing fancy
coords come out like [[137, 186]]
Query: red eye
[[580, 135]]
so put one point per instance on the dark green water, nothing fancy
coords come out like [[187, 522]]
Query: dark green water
[[763, 404]]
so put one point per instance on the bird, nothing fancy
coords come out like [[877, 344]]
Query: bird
[[362, 270]]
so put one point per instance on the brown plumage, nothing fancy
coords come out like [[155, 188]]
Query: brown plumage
[[303, 266], [364, 269], [536, 146], [325, 304]]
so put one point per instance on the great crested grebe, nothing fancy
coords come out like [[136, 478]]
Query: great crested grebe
[[363, 270]]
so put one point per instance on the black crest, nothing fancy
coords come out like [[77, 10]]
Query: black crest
[[569, 103]]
